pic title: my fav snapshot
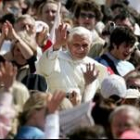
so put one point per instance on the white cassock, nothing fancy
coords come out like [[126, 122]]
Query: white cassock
[[63, 73]]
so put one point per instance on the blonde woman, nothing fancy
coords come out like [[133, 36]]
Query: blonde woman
[[32, 119]]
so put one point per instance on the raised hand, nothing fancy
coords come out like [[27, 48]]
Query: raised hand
[[11, 31], [61, 36], [90, 74], [5, 31], [7, 74], [54, 102]]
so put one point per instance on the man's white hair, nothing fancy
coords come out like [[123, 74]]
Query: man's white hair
[[127, 108], [81, 31]]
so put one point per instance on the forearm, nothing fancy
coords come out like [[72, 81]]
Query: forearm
[[57, 46], [24, 48], [89, 91]]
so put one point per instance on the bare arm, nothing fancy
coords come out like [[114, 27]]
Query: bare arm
[[52, 119], [24, 48], [90, 76]]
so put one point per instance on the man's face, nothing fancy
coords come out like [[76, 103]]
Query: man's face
[[123, 51], [48, 13], [79, 47], [123, 121], [26, 25], [87, 19]]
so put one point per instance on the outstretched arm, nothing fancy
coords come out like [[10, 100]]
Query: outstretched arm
[[24, 48], [90, 75], [52, 119], [61, 37]]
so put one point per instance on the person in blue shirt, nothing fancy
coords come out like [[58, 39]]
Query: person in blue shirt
[[31, 120], [39, 118], [122, 41]]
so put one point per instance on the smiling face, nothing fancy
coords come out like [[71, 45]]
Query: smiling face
[[123, 51], [87, 19], [79, 46]]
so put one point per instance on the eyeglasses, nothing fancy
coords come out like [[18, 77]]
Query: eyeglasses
[[84, 15]]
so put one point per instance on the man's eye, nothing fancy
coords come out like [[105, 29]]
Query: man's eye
[[23, 26], [76, 45]]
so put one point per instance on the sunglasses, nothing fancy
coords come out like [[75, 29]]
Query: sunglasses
[[84, 15]]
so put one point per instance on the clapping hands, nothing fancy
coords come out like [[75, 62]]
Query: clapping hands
[[8, 31]]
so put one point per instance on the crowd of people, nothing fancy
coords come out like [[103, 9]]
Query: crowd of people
[[69, 69]]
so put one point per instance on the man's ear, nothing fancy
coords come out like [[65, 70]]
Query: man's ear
[[114, 45]]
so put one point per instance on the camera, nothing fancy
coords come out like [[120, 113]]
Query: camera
[[112, 26], [109, 29]]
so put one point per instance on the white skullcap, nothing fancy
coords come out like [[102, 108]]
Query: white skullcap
[[113, 85], [79, 30]]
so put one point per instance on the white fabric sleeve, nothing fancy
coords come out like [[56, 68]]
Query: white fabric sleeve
[[52, 126], [45, 65], [90, 91]]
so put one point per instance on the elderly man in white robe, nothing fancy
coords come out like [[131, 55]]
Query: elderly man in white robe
[[72, 70]]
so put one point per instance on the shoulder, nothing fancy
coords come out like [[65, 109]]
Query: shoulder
[[102, 61], [128, 64]]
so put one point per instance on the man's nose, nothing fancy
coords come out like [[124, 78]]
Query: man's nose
[[81, 48], [50, 13], [27, 27]]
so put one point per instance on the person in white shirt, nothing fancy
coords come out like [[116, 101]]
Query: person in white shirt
[[64, 69]]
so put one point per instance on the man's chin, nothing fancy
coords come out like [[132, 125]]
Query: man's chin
[[79, 57]]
